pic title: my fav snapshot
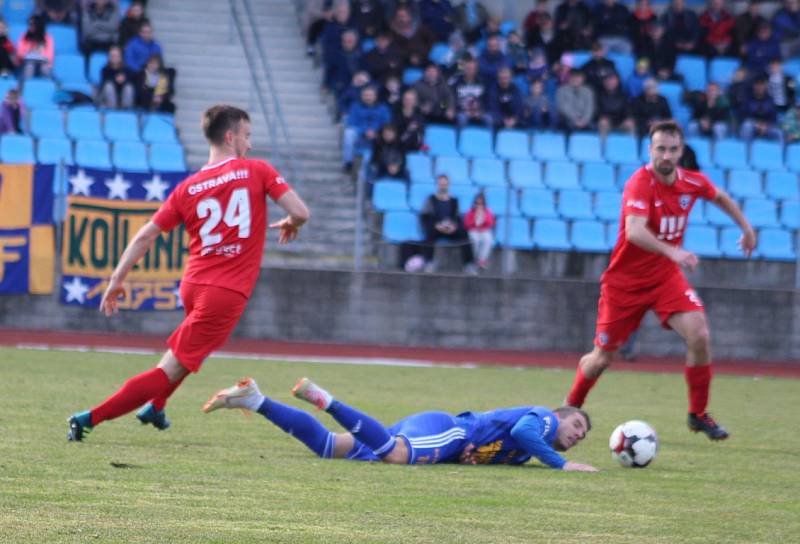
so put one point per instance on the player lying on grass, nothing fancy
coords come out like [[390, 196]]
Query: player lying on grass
[[505, 436]]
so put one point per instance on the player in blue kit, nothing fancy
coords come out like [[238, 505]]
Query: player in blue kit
[[506, 436]]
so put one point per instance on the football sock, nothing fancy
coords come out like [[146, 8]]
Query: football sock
[[133, 393], [580, 388], [364, 428], [160, 401], [301, 425], [698, 381]]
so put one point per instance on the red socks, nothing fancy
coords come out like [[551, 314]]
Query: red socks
[[160, 401], [698, 380], [133, 393], [580, 388]]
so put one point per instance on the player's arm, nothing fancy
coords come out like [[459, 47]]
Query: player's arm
[[636, 232], [297, 214], [136, 249], [748, 240], [528, 433]]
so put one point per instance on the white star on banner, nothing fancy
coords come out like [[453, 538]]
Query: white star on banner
[[76, 290], [156, 187], [81, 183], [118, 187]]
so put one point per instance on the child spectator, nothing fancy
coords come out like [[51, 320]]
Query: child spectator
[[440, 218], [409, 122], [364, 120], [641, 73], [141, 48], [8, 55], [132, 23], [99, 25], [12, 112], [35, 49], [436, 99], [154, 90], [388, 158], [504, 101], [479, 222], [711, 112], [539, 110], [117, 85]]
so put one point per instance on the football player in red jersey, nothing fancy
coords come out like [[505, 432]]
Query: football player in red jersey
[[645, 271], [224, 210]]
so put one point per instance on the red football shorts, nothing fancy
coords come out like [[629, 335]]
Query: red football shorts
[[211, 314], [619, 312]]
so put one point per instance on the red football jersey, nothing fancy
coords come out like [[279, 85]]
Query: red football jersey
[[667, 210], [224, 208]]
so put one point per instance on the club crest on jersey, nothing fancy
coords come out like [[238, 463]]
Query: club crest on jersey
[[684, 201]]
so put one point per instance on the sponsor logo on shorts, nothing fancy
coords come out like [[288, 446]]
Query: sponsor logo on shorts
[[603, 339], [694, 298], [684, 201]]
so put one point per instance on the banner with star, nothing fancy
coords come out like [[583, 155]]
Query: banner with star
[[27, 242], [105, 209]]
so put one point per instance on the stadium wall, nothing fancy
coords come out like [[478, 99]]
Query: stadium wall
[[447, 311]]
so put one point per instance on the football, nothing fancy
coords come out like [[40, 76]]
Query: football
[[634, 444]]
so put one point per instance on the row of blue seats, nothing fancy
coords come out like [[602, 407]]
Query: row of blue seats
[[131, 156], [590, 236]]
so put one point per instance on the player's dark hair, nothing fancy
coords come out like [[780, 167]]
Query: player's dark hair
[[219, 119], [668, 126], [564, 411]]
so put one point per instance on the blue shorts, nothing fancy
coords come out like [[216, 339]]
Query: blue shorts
[[431, 437]]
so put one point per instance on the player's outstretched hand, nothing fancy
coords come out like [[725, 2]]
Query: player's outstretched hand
[[109, 304], [288, 231], [685, 259], [467, 456], [579, 467], [747, 242]]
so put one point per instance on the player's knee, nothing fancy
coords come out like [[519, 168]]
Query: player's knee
[[699, 339]]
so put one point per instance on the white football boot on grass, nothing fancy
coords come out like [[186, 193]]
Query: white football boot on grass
[[244, 395], [308, 391]]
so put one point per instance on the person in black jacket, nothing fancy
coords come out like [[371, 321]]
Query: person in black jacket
[[649, 108], [613, 107], [117, 84], [440, 218]]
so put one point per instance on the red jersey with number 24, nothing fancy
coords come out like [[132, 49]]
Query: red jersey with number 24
[[667, 209], [224, 208]]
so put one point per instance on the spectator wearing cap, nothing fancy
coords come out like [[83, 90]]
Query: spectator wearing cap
[[682, 27], [12, 113], [470, 19], [412, 39], [470, 92], [364, 121], [762, 49], [575, 102], [711, 112], [717, 26], [758, 114], [746, 24], [492, 59], [436, 99], [598, 67], [438, 15], [613, 107], [650, 108], [504, 101], [612, 21], [660, 51], [786, 27], [141, 48]]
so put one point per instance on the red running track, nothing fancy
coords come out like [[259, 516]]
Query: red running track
[[273, 348]]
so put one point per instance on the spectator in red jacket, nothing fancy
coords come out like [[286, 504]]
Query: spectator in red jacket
[[717, 26], [479, 222]]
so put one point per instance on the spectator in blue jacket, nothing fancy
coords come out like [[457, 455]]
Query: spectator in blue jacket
[[364, 122], [786, 27], [762, 49], [492, 59], [505, 101], [141, 48], [344, 64], [331, 37], [758, 113]]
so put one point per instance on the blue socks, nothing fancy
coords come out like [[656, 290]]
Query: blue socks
[[364, 428], [302, 425]]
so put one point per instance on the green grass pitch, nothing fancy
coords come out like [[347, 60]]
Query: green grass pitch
[[222, 477]]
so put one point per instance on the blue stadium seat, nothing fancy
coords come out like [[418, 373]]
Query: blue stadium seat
[[525, 173], [121, 126], [97, 62], [717, 176], [721, 69], [598, 176], [672, 92], [791, 67], [54, 150], [766, 155], [502, 200], [65, 38], [608, 205], [69, 69], [761, 212], [701, 240], [401, 227], [730, 154], [744, 183], [7, 83], [441, 140], [130, 156], [549, 146], [420, 168], [612, 233], [92, 154], [512, 144], [538, 203], [790, 214], [621, 148], [389, 195], [579, 57], [508, 26], [698, 214], [411, 76], [159, 128], [476, 143], [489, 172], [453, 167], [693, 70], [47, 123], [776, 245], [793, 157], [624, 65], [84, 125], [682, 114], [702, 149], [367, 45], [440, 53], [519, 232], [584, 147], [575, 204], [16, 30], [167, 158], [782, 185], [561, 175], [624, 173], [729, 242], [16, 149], [715, 216], [551, 234], [465, 194], [17, 11], [38, 92], [589, 236], [644, 150], [417, 193]]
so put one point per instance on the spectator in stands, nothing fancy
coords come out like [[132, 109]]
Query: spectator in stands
[[660, 50], [99, 25], [331, 38], [537, 66], [504, 101], [583, 40], [746, 25], [717, 27], [786, 27], [758, 114], [154, 90], [546, 39], [539, 110], [575, 102], [598, 67], [762, 49], [388, 157], [117, 84], [517, 54], [383, 60], [12, 113], [352, 94], [412, 39], [780, 86], [711, 112], [492, 59], [316, 14], [391, 93], [682, 27], [533, 19], [8, 53], [641, 73], [613, 107], [344, 63], [479, 223], [738, 90], [409, 122], [470, 19], [35, 49], [612, 21], [571, 17], [364, 121], [140, 48], [470, 92], [367, 16], [132, 23], [649, 108], [790, 124], [440, 218], [438, 15], [57, 11], [642, 17], [436, 99]]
